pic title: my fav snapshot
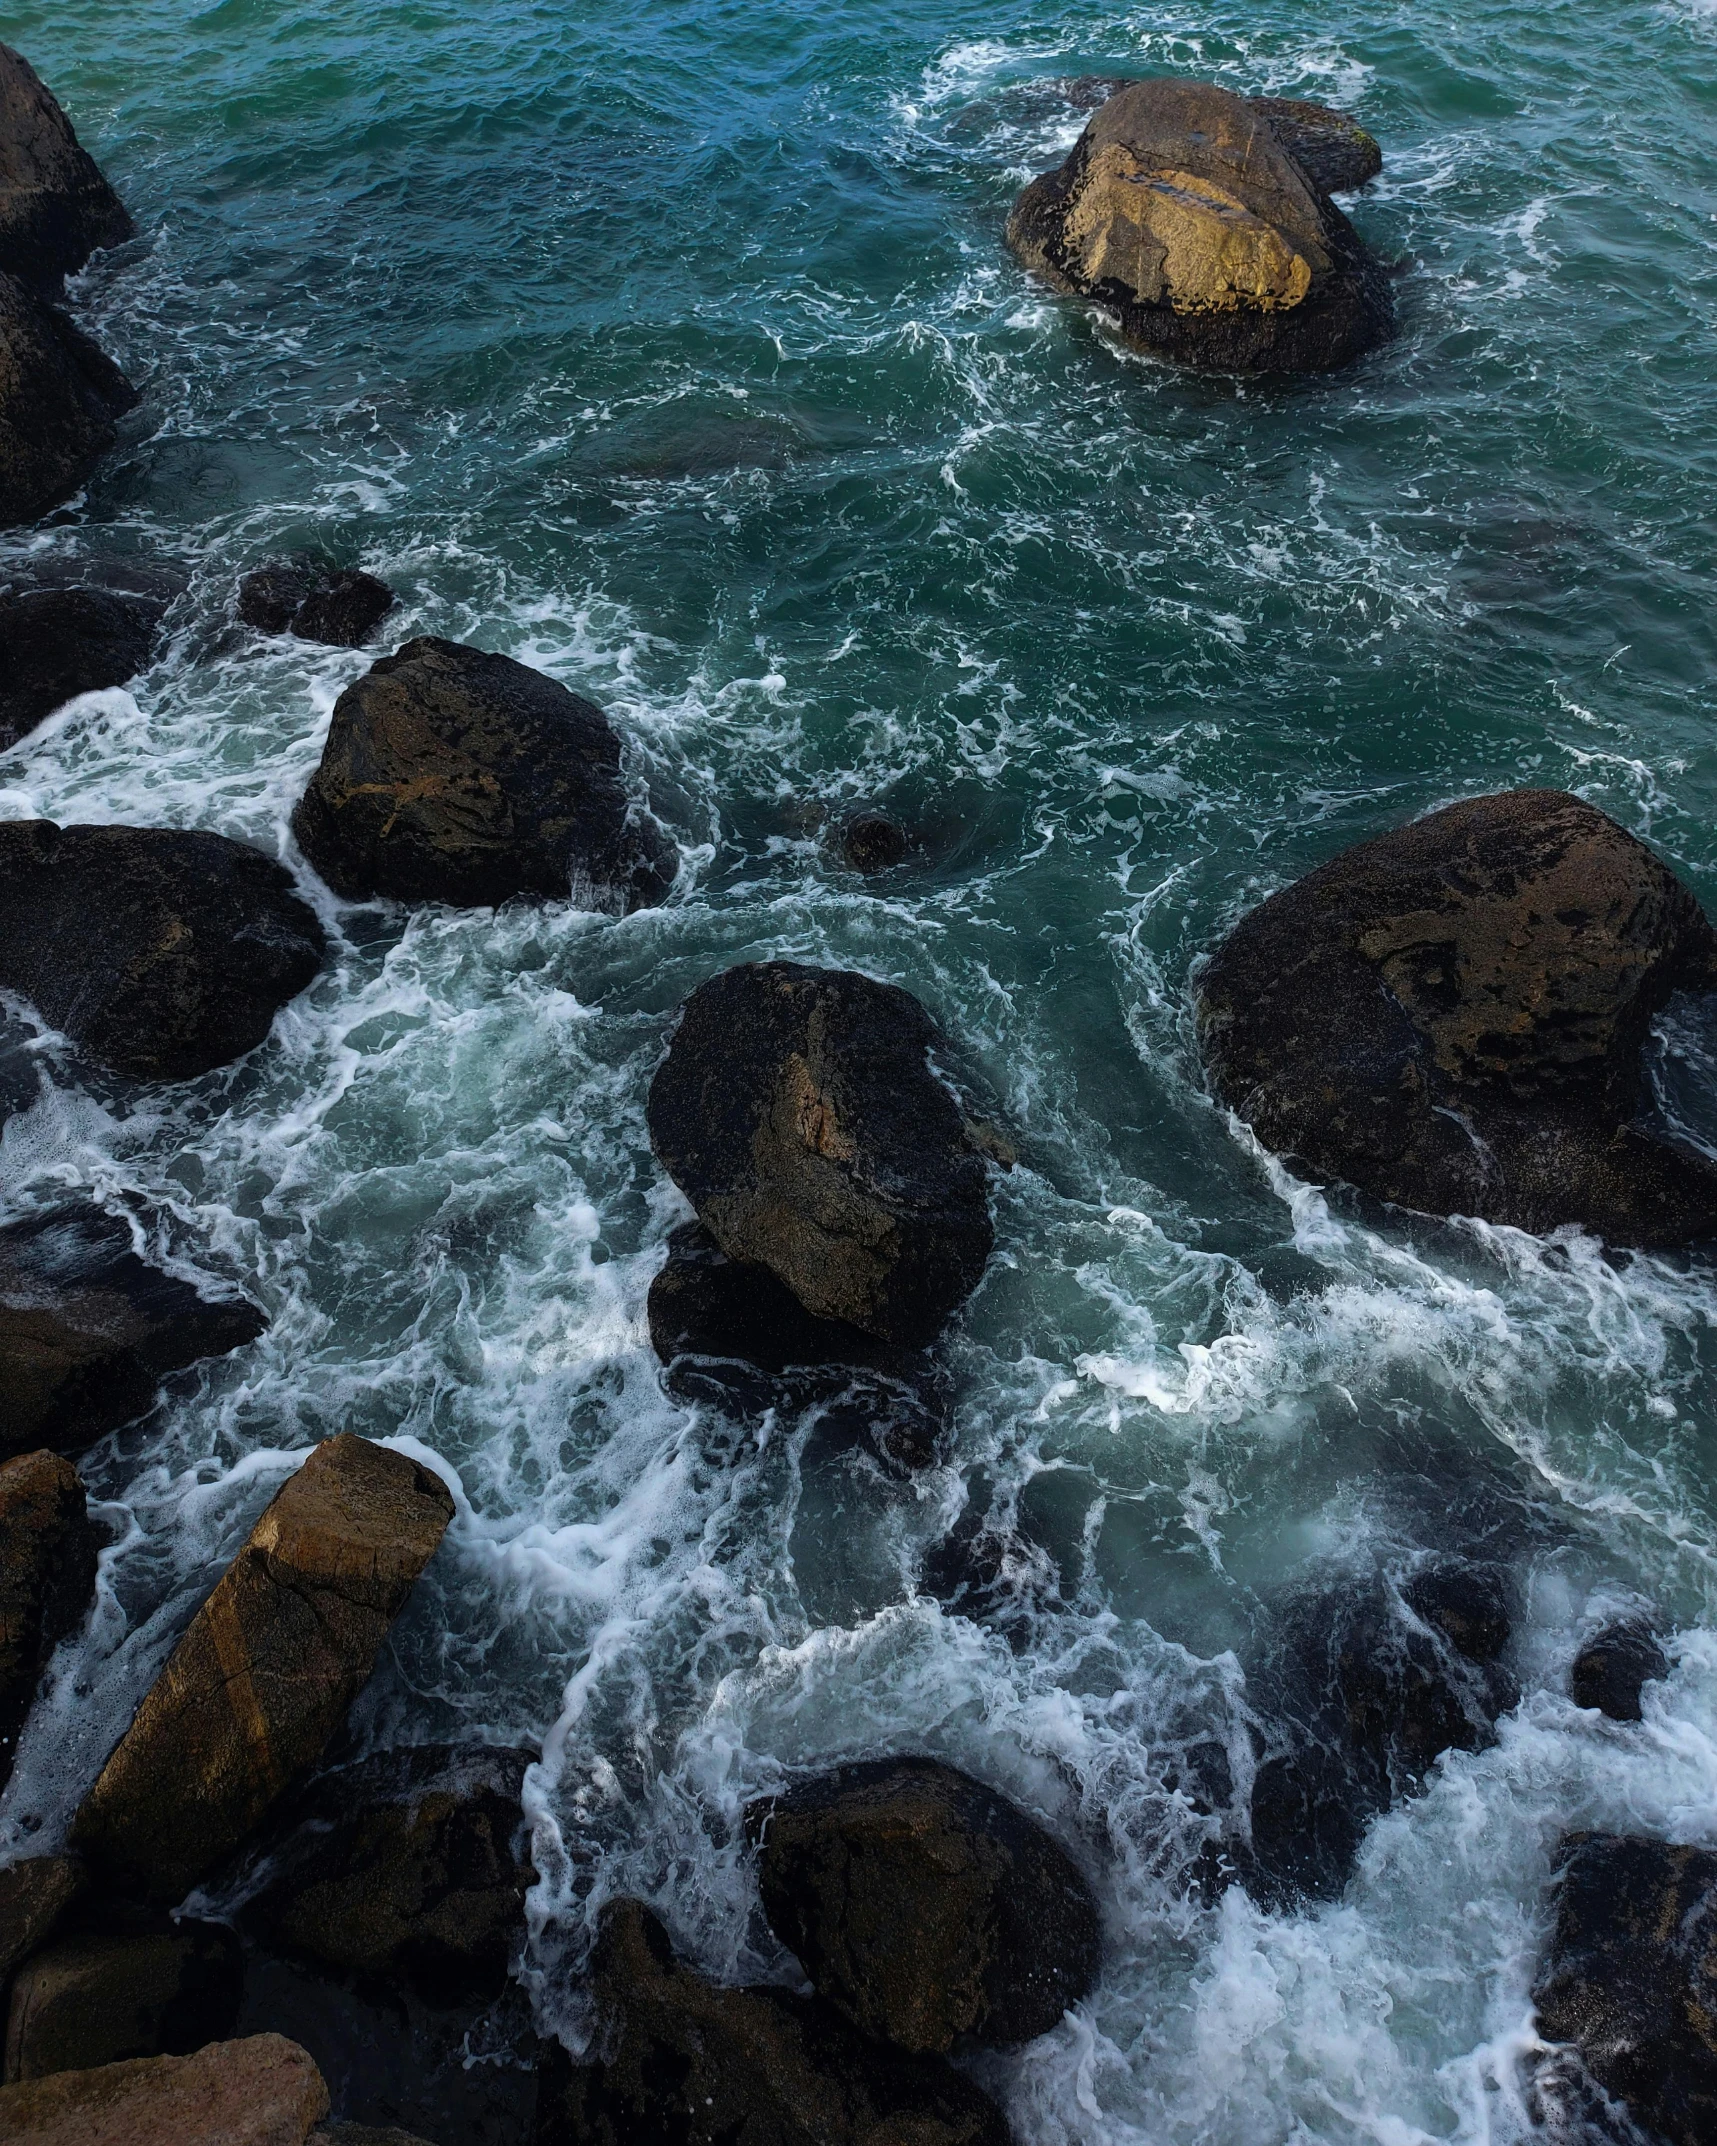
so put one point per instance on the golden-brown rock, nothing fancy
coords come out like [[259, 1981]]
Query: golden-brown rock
[[264, 1675], [47, 1575], [262, 2091]]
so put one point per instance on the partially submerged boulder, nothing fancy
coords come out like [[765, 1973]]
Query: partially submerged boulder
[[1186, 209], [202, 941], [1613, 1668], [263, 1677], [872, 842], [47, 1576], [702, 2065], [453, 775], [99, 1998], [315, 601], [1451, 1017], [924, 1906], [1630, 1980], [797, 1111], [61, 397], [58, 643], [56, 208], [88, 1330], [262, 2091]]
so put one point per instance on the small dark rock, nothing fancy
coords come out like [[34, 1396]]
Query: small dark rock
[[690, 2062], [34, 1897], [1333, 151], [798, 1113], [202, 942], [1451, 1017], [872, 842], [925, 1906], [98, 1999], [56, 208], [58, 643], [47, 1576], [314, 601], [60, 399], [1631, 1977], [1307, 1821], [1472, 1605], [1610, 1670], [456, 776], [989, 1571]]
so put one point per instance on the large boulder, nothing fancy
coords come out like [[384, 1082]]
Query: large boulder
[[56, 208], [202, 941], [1451, 1017], [924, 1906], [262, 2091], [262, 1679], [88, 1330], [58, 643], [47, 1576], [1184, 208], [1630, 1980], [98, 1998], [452, 775], [60, 399], [702, 2065], [315, 601], [797, 1111]]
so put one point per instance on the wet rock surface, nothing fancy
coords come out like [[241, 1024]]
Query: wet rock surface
[[1611, 1670], [1451, 1017], [47, 1576], [56, 208], [61, 397], [262, 1679], [1334, 151], [58, 643], [1185, 208], [88, 1330], [924, 1906], [797, 1111], [314, 600], [203, 941], [702, 2065], [262, 2091], [1630, 1978], [34, 1895], [94, 1999], [457, 776], [872, 842]]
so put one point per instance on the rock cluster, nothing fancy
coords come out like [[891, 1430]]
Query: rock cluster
[[1204, 220], [314, 601]]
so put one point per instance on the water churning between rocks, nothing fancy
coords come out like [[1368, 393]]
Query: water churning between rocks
[[678, 354]]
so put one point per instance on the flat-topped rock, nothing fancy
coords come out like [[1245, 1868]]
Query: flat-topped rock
[[56, 207], [58, 643], [47, 1577], [262, 2091], [61, 397]]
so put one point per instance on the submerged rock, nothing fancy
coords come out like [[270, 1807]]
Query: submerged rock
[[924, 1906], [1451, 1017], [98, 1999], [60, 399], [47, 1576], [797, 1111], [88, 1330], [34, 1895], [56, 208], [872, 842], [1610, 1671], [263, 1677], [202, 942], [1630, 1979], [1186, 209], [314, 601], [690, 2061], [58, 643], [262, 2091], [451, 775]]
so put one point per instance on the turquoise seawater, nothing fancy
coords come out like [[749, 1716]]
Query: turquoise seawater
[[676, 351]]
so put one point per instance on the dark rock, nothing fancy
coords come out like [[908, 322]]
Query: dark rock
[[88, 1330], [56, 209], [1333, 151], [798, 1113], [872, 842], [97, 1999], [1451, 1017], [263, 1677], [34, 1896], [700, 2065], [410, 1866], [202, 942], [989, 1571], [60, 397], [1183, 207], [1631, 1978], [452, 775], [1610, 1670], [58, 643], [1472, 1605], [47, 1576], [925, 1906], [731, 1334], [314, 601]]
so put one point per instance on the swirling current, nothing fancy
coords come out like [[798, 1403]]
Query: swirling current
[[677, 353]]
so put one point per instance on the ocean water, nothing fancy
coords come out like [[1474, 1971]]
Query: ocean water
[[677, 352]]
